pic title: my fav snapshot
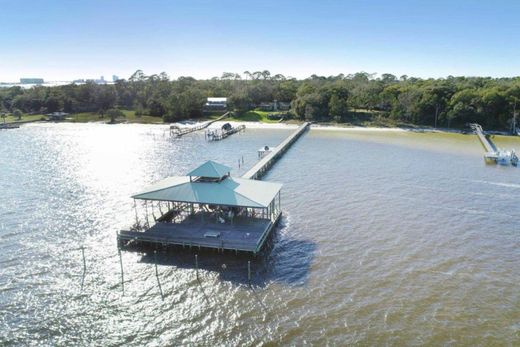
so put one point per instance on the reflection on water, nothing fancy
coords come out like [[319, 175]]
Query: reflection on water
[[387, 238]]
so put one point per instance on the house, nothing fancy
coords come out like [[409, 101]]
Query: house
[[275, 106], [57, 116], [215, 104]]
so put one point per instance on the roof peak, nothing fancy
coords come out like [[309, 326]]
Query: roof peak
[[210, 169]]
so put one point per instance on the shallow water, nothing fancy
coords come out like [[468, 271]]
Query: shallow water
[[387, 239]]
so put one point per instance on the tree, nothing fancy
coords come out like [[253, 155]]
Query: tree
[[114, 113], [338, 107], [18, 114]]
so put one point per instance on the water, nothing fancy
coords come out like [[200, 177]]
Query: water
[[387, 239]]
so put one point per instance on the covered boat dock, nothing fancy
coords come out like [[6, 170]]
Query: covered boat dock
[[207, 208]]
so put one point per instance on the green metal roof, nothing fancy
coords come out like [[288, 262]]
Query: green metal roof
[[210, 169], [228, 192]]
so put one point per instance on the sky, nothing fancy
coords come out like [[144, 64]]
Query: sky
[[66, 40]]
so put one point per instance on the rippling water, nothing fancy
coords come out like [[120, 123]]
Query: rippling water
[[387, 239]]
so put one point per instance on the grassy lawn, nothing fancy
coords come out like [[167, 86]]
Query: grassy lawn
[[254, 116], [25, 118], [130, 117]]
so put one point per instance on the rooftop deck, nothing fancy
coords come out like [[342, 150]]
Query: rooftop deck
[[244, 234]]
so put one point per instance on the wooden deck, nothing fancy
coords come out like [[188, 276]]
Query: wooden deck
[[245, 234], [259, 169]]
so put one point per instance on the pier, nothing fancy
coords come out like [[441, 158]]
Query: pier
[[177, 131], [224, 132], [488, 145], [494, 154], [260, 168], [209, 209]]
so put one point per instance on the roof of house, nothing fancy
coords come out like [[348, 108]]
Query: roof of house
[[228, 192], [210, 169], [217, 99]]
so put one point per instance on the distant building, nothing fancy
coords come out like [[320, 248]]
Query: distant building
[[215, 104], [266, 106], [114, 78], [56, 116], [31, 80], [275, 106]]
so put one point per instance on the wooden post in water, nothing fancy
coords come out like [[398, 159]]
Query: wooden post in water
[[249, 271], [84, 262], [122, 275], [157, 274], [197, 265]]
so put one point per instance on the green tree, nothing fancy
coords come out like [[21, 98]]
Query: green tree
[[338, 107], [18, 114]]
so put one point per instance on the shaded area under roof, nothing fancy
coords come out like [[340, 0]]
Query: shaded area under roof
[[210, 169], [228, 192]]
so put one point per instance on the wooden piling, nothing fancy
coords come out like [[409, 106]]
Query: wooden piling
[[249, 271], [122, 274], [197, 264], [84, 261]]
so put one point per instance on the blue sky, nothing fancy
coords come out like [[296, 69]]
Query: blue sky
[[63, 40]]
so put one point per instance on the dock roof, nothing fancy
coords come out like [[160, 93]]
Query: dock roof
[[228, 192]]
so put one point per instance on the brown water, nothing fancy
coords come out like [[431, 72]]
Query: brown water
[[387, 239]]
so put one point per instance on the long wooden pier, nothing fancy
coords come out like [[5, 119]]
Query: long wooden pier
[[260, 168], [178, 131]]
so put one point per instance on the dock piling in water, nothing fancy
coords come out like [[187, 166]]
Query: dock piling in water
[[197, 264], [122, 275], [249, 271], [84, 261]]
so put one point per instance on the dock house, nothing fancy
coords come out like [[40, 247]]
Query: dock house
[[207, 208]]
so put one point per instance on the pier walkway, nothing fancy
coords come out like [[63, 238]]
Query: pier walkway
[[260, 168], [181, 131], [489, 146]]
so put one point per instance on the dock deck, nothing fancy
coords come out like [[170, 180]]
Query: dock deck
[[245, 234], [179, 132], [221, 134], [259, 169]]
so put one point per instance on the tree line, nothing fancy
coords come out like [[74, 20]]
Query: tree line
[[446, 102]]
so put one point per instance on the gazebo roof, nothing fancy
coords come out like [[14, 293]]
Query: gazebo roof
[[211, 169], [228, 192]]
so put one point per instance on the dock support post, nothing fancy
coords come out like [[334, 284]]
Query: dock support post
[[249, 271], [157, 274], [197, 265], [84, 262], [122, 274]]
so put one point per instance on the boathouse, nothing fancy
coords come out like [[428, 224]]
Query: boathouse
[[207, 208]]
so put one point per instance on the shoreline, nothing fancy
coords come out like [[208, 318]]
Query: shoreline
[[291, 126]]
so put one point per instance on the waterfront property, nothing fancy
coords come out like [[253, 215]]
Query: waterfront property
[[207, 208]]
